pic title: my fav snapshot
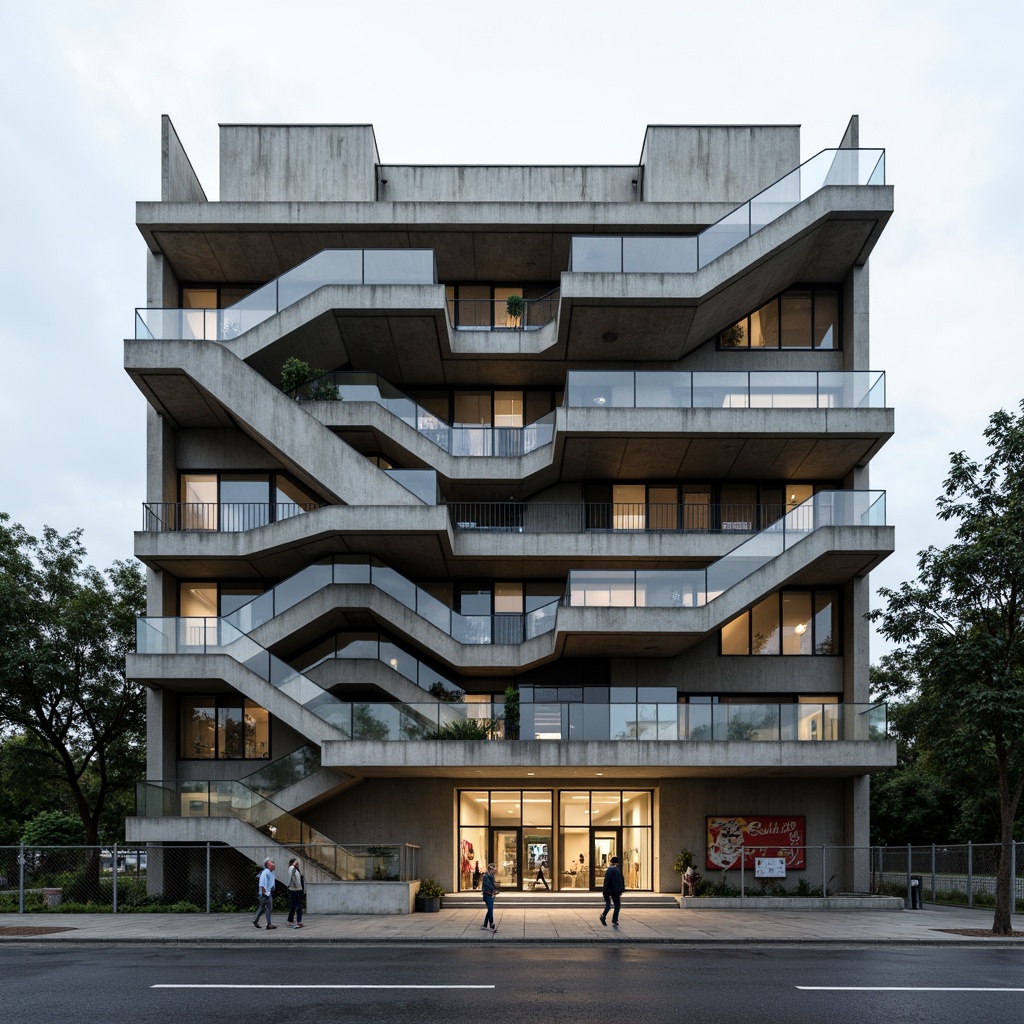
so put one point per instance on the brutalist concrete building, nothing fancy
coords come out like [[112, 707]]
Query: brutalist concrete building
[[512, 513]]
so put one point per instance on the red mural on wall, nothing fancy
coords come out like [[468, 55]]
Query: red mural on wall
[[729, 839]]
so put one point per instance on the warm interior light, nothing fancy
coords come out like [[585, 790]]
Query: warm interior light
[[800, 628], [393, 663]]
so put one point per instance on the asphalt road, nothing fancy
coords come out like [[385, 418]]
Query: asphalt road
[[499, 983]]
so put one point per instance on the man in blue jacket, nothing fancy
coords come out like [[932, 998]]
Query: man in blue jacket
[[613, 888], [489, 890]]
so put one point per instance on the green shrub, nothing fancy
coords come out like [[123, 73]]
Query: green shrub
[[304, 383]]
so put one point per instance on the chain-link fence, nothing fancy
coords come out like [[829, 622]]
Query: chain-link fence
[[944, 873], [160, 878], [212, 878]]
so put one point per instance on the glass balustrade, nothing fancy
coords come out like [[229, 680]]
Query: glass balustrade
[[726, 389], [285, 771], [492, 314], [329, 267], [686, 254], [692, 588], [464, 441]]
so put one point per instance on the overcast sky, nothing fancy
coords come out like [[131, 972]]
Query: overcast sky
[[937, 84]]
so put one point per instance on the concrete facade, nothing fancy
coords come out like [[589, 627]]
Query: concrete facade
[[294, 579]]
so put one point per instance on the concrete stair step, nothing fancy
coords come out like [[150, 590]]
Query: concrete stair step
[[563, 901]]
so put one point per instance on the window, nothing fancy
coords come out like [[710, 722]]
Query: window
[[806, 318], [234, 502], [225, 727], [788, 622]]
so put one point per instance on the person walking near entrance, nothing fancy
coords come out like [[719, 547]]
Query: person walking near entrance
[[266, 894], [540, 879], [489, 887], [613, 888], [296, 887]]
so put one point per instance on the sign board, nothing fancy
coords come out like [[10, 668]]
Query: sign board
[[769, 867], [731, 840]]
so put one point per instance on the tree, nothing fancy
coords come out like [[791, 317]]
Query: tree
[[65, 629], [960, 627]]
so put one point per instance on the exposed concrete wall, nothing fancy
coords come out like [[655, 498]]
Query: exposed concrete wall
[[161, 734], [419, 811], [851, 137], [198, 450], [178, 181], [361, 897], [685, 804], [856, 333], [857, 811], [466, 184], [294, 163], [703, 670], [716, 163]]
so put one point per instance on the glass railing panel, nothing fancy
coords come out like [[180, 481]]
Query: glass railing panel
[[596, 390], [726, 389], [255, 613], [658, 588], [474, 441], [654, 255], [813, 174], [332, 266], [302, 585], [155, 800], [670, 389], [356, 570], [471, 629], [776, 389], [774, 201], [541, 620], [596, 255], [743, 560], [646, 724], [875, 161], [421, 482], [285, 771], [359, 648], [621, 720], [156, 636], [732, 229], [860, 389], [399, 266], [394, 584], [538, 434], [400, 661], [434, 611], [251, 311], [357, 387], [668, 721], [538, 312], [598, 588]]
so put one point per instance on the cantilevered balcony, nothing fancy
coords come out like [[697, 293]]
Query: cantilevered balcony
[[625, 296]]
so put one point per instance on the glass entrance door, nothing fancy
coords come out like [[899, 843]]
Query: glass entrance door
[[505, 854], [605, 843]]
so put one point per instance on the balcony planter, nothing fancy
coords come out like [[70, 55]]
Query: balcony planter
[[428, 899], [514, 307]]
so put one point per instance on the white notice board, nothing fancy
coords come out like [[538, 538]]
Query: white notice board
[[769, 867]]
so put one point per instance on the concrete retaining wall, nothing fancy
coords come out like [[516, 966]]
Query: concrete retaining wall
[[361, 897], [792, 903]]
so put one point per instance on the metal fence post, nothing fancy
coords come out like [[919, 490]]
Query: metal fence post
[[114, 863], [743, 860], [21, 879], [1013, 875], [970, 875], [910, 896], [207, 877], [933, 872], [823, 875]]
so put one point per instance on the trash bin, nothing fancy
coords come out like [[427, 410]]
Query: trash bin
[[53, 897], [916, 893]]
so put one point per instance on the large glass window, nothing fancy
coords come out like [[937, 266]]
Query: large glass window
[[798, 318], [225, 727], [788, 622]]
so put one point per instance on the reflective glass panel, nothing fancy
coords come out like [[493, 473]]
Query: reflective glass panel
[[764, 326], [736, 635], [765, 626], [826, 622], [197, 720], [796, 319], [797, 628], [826, 319]]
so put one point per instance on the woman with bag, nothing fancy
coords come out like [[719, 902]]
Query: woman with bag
[[296, 887]]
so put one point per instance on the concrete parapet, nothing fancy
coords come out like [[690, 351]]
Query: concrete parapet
[[361, 897]]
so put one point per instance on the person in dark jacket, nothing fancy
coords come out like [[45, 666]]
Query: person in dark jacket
[[489, 888], [613, 888]]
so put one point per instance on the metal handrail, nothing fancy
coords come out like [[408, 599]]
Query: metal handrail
[[219, 516]]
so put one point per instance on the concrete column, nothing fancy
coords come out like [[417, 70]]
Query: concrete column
[[856, 336], [857, 834]]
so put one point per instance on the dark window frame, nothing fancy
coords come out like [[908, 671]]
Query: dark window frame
[[815, 290], [838, 639]]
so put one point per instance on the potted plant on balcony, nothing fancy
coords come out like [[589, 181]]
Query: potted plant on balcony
[[428, 898], [514, 307]]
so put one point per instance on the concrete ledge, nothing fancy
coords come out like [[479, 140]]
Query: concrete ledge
[[792, 903], [361, 897]]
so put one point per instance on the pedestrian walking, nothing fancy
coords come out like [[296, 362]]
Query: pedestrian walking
[[613, 888], [296, 890], [489, 888], [265, 896]]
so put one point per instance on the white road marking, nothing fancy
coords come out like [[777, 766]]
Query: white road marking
[[897, 988], [325, 986]]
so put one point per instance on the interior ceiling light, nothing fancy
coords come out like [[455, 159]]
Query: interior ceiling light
[[800, 628]]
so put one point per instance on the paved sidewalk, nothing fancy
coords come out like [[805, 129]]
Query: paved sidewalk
[[575, 925]]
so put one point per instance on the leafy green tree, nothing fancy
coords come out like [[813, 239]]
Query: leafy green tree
[[960, 627], [303, 382], [65, 629], [53, 828]]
